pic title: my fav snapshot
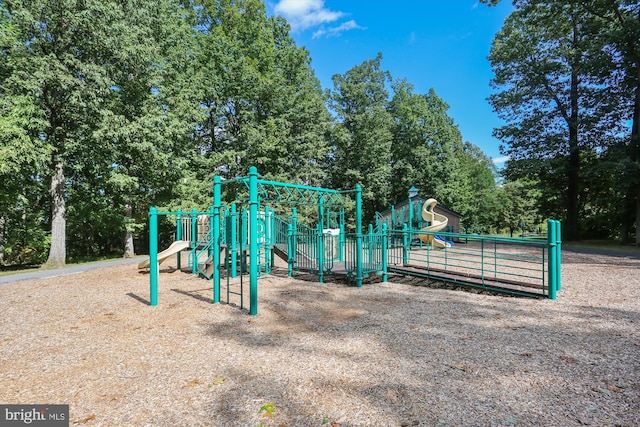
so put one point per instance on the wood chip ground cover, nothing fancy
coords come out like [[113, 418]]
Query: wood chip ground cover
[[403, 353]]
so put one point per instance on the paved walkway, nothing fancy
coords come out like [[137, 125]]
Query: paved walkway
[[77, 268]]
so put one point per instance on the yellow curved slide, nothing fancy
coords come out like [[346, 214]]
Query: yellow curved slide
[[177, 246], [436, 222]]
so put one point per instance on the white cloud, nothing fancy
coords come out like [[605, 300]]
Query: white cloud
[[500, 160], [303, 14], [336, 31]]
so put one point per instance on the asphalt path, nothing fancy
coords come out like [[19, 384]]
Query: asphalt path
[[73, 269]]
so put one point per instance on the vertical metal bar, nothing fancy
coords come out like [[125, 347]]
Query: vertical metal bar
[[385, 242], [267, 239], [482, 259], [178, 238], [558, 255], [405, 244], [214, 224], [358, 236], [253, 241], [194, 241], [153, 256], [341, 242], [294, 242], [290, 246], [551, 243], [233, 236]]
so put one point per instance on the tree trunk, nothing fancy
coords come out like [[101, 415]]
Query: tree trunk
[[58, 250], [129, 250]]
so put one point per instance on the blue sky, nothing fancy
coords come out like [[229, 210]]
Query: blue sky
[[439, 44]]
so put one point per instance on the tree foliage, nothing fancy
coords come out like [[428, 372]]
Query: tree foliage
[[109, 107], [568, 84]]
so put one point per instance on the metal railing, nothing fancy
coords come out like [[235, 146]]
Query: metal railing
[[517, 266]]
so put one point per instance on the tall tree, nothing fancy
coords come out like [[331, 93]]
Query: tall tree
[[362, 136], [262, 104], [88, 71], [543, 60], [618, 26]]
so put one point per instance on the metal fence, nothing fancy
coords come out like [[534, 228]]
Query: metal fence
[[517, 266]]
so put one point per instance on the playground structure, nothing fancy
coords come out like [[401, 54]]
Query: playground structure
[[244, 236], [241, 238]]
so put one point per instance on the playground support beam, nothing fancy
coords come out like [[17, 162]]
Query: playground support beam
[[253, 241], [358, 236], [555, 257], [153, 256], [179, 237], [217, 201], [320, 246]]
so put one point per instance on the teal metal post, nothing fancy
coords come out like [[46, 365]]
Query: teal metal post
[[405, 244], [244, 239], [210, 244], [268, 240], [253, 241], [558, 255], [358, 236], [320, 241], [153, 256], [552, 248], [215, 236], [371, 249], [341, 238], [233, 245], [294, 241], [393, 217], [384, 251], [178, 238], [290, 245], [194, 241]]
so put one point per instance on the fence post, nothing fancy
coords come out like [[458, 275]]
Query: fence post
[[358, 235], [253, 241], [194, 240], [552, 248], [153, 256], [233, 236], [267, 240], [405, 244], [320, 237], [384, 251], [214, 225], [294, 241], [558, 255], [341, 238], [290, 246], [178, 238]]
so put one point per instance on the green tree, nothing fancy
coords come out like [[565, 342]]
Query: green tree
[[428, 153], [88, 72], [611, 31], [543, 59], [519, 205], [261, 102], [362, 135]]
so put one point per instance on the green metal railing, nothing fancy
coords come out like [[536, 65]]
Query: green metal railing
[[516, 266]]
